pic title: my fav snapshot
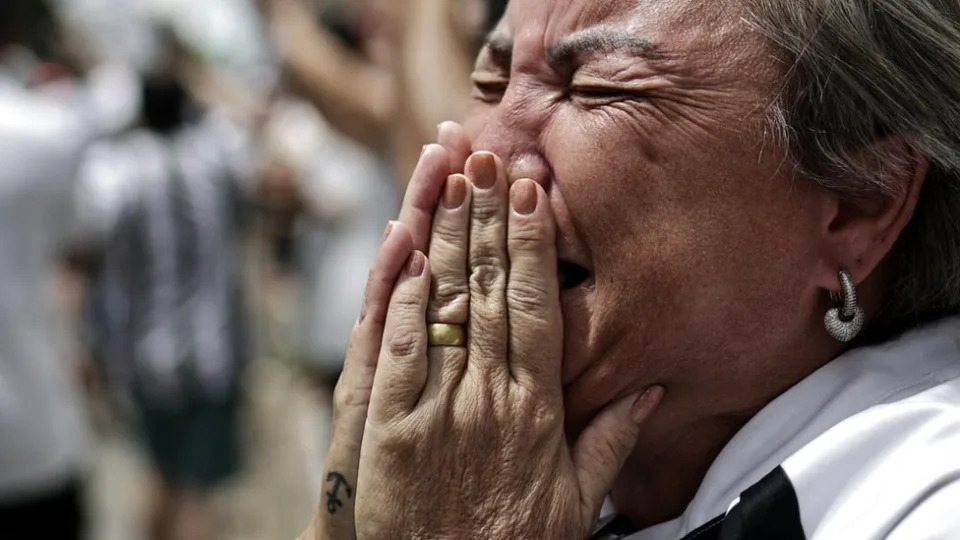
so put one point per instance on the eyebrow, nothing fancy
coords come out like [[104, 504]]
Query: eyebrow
[[501, 48], [565, 50]]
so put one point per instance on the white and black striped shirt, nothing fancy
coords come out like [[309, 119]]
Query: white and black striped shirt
[[168, 313], [868, 447]]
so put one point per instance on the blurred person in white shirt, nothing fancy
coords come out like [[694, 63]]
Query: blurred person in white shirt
[[345, 195], [167, 205], [360, 64], [42, 426]]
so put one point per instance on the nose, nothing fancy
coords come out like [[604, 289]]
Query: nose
[[513, 130]]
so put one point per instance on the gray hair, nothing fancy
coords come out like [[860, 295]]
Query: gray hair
[[857, 71]]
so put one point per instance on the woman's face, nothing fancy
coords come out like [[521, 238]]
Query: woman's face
[[686, 251]]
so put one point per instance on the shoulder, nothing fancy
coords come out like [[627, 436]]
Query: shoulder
[[937, 516], [39, 131], [880, 470]]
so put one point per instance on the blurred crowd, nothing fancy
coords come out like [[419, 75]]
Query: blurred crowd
[[190, 194]]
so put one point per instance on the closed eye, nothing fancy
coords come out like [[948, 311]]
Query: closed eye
[[488, 87], [600, 94]]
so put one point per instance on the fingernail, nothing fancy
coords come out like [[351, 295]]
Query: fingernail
[[386, 233], [455, 192], [416, 264], [646, 404], [484, 168], [424, 150], [523, 197]]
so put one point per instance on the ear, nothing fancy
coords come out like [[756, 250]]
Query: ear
[[860, 233]]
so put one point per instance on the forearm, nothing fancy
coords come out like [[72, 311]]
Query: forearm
[[353, 94], [434, 80], [436, 62]]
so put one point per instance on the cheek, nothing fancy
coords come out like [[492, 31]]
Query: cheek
[[599, 167], [686, 249], [688, 307]]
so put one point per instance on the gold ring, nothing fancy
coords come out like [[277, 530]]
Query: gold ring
[[446, 335]]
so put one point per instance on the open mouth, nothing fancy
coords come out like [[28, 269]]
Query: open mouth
[[571, 275]]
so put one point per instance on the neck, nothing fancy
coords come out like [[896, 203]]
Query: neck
[[659, 481], [679, 444]]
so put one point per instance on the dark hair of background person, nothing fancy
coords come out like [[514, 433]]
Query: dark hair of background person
[[166, 104], [495, 10], [166, 101], [30, 23]]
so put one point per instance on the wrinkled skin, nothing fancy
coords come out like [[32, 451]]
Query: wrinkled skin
[[707, 272], [664, 185]]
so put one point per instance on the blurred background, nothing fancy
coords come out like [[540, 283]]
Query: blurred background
[[191, 192]]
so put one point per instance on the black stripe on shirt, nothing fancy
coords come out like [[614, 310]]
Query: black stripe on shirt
[[768, 510]]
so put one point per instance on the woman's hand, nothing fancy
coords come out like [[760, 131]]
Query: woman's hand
[[468, 442], [335, 517]]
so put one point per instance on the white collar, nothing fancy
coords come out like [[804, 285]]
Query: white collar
[[854, 382]]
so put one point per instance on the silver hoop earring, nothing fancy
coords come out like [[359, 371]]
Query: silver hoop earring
[[845, 322]]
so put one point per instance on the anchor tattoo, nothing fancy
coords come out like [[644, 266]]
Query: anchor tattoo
[[333, 496]]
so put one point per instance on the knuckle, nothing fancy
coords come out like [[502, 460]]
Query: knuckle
[[377, 280], [402, 446], [405, 303], [526, 294], [447, 233], [487, 213], [605, 454], [487, 279], [366, 307], [449, 291], [456, 313], [362, 318], [450, 297], [545, 416], [530, 237], [405, 344], [356, 333], [347, 397], [399, 441], [488, 271], [487, 254]]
